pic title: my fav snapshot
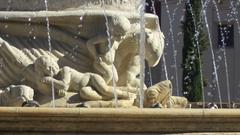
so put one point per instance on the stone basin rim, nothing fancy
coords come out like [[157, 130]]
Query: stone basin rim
[[114, 120], [121, 112], [6, 15]]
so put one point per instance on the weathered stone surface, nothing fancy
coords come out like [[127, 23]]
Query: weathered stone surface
[[22, 45], [37, 5], [16, 95], [83, 51], [53, 120]]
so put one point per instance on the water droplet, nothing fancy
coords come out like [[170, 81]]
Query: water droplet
[[219, 57], [81, 18]]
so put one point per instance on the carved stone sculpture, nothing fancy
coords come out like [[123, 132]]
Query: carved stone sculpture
[[103, 47], [90, 86], [81, 55], [131, 57], [160, 95], [16, 95]]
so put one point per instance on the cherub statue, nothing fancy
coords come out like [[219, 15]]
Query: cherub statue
[[46, 73], [102, 48]]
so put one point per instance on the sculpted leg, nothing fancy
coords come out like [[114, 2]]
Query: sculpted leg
[[87, 93], [98, 82]]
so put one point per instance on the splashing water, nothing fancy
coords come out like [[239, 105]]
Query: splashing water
[[50, 51], [159, 30], [8, 5], [235, 13], [142, 50], [211, 48], [224, 54], [175, 10], [173, 45], [150, 75], [111, 57], [196, 38]]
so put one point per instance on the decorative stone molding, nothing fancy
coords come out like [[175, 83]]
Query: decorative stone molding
[[78, 120]]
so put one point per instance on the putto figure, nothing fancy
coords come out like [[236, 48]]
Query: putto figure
[[90, 86]]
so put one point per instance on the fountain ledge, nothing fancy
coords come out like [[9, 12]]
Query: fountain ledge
[[98, 120]]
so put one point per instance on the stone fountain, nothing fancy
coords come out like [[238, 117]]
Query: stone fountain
[[85, 54]]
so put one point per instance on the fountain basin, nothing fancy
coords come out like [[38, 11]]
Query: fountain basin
[[113, 120]]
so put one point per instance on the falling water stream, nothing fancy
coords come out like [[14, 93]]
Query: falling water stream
[[142, 50], [196, 38], [224, 54], [235, 13], [159, 30], [173, 46], [111, 57], [211, 48], [50, 51]]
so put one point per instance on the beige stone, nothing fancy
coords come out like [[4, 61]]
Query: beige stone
[[131, 57], [16, 95], [86, 55], [113, 120], [103, 47]]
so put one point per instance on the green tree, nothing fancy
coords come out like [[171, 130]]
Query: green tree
[[193, 38]]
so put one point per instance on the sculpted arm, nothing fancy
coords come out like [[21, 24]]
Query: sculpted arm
[[57, 83], [64, 81]]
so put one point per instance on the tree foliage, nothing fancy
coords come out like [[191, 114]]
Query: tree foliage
[[193, 38]]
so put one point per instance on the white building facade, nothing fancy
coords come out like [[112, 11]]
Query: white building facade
[[171, 26]]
